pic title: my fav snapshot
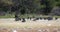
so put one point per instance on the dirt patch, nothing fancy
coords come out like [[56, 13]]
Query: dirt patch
[[9, 25]]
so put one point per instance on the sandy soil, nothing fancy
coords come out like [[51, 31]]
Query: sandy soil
[[9, 25]]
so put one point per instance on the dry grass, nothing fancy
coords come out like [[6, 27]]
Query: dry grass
[[31, 30]]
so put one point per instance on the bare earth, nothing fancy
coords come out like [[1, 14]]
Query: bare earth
[[9, 25]]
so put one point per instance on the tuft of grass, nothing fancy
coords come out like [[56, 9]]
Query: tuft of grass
[[7, 16]]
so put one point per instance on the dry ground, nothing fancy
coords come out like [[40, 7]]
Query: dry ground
[[9, 25]]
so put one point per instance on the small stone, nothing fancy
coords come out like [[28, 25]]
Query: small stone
[[14, 31]]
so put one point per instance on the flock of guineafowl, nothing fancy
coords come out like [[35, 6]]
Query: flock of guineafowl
[[34, 18]]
